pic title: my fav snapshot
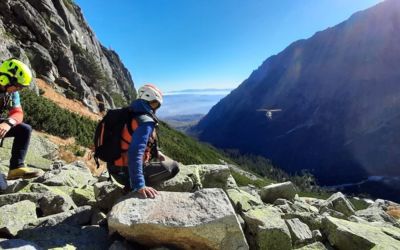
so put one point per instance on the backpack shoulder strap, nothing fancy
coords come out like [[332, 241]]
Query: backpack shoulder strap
[[144, 116], [140, 117]]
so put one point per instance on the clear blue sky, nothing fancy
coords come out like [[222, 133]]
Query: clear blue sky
[[182, 44]]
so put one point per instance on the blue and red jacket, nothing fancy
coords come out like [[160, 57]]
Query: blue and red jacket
[[12, 103], [135, 145]]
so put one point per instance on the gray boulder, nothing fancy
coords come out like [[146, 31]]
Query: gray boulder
[[231, 183], [9, 199], [78, 216], [285, 207], [201, 220], [67, 237], [300, 206], [266, 229], [251, 189], [376, 214], [285, 190], [194, 177], [106, 194], [243, 201], [83, 196], [214, 176], [325, 211], [348, 235], [317, 235], [314, 246], [48, 203], [315, 202], [300, 232], [53, 204], [187, 180], [63, 204], [384, 204], [338, 202], [296, 206], [280, 202], [313, 220], [69, 175], [14, 217]]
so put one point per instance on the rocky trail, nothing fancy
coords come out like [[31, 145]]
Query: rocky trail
[[201, 208]]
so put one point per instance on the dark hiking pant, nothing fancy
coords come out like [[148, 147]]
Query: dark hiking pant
[[22, 136], [154, 173]]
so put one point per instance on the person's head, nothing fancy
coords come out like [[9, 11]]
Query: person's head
[[151, 94], [14, 75]]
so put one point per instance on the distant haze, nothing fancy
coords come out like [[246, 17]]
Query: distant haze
[[190, 101]]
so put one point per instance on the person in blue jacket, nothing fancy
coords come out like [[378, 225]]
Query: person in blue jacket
[[142, 161]]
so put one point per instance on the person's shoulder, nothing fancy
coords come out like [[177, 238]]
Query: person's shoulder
[[145, 118]]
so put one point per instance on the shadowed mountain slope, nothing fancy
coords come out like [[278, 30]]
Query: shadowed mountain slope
[[339, 92]]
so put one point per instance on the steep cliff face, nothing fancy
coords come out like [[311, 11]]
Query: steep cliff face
[[339, 93], [53, 37]]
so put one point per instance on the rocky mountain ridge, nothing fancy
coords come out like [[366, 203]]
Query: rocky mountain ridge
[[339, 95], [201, 208], [53, 38]]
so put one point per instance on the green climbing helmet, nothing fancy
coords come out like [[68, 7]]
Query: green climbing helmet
[[15, 72]]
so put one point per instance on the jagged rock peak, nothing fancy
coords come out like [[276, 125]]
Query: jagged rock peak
[[53, 37]]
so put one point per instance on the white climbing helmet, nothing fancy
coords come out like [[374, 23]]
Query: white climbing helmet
[[149, 92]]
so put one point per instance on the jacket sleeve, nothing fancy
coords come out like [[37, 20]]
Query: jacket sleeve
[[135, 154], [15, 112]]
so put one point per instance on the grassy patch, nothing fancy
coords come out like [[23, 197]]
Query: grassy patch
[[359, 204], [119, 100], [242, 180], [185, 149], [44, 115], [315, 194]]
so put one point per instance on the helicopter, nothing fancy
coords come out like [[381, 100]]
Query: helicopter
[[268, 112]]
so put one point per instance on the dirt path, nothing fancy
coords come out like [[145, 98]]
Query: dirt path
[[68, 146], [71, 105]]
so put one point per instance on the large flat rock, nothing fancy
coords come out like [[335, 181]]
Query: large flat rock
[[67, 237], [201, 220], [348, 235], [14, 217], [286, 190], [266, 229]]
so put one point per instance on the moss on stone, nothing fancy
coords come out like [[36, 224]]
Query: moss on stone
[[242, 201], [83, 196]]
